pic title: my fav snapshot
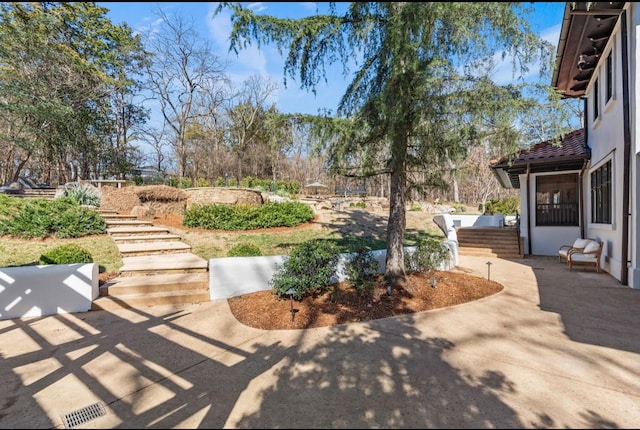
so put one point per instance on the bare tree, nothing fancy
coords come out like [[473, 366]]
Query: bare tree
[[246, 115], [183, 76]]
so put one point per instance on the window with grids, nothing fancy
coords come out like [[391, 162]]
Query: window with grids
[[601, 195], [557, 200]]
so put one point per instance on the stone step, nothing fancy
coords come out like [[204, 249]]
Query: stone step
[[150, 299], [128, 230], [152, 248], [488, 252], [127, 223], [142, 238], [118, 217], [163, 264], [129, 285]]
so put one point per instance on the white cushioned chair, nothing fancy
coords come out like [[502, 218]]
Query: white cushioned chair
[[578, 245], [589, 256]]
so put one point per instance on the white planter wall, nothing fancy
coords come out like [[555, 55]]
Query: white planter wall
[[33, 291], [234, 276]]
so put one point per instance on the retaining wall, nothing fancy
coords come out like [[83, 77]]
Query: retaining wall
[[234, 276], [33, 291]]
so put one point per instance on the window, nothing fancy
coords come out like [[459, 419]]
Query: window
[[557, 200], [609, 71], [601, 194], [596, 102]]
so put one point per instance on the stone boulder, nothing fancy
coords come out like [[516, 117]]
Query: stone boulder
[[216, 195]]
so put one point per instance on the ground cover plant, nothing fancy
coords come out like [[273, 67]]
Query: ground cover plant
[[40, 218]]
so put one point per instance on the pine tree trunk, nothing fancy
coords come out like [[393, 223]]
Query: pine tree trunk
[[396, 225]]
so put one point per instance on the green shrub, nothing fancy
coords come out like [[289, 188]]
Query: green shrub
[[69, 253], [84, 194], [429, 254], [460, 207], [247, 217], [358, 204], [415, 207], [361, 268], [310, 267], [62, 217], [244, 250], [505, 206]]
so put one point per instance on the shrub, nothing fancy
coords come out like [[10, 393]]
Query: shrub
[[415, 207], [310, 267], [358, 204], [460, 207], [62, 217], [505, 206], [244, 250], [429, 254], [84, 194], [69, 253], [361, 267], [247, 217]]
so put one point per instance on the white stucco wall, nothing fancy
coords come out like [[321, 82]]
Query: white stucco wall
[[606, 140], [257, 272], [33, 291]]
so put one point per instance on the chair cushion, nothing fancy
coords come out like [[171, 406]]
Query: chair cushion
[[581, 243], [582, 258], [592, 246]]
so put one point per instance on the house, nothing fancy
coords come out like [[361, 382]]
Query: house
[[589, 186]]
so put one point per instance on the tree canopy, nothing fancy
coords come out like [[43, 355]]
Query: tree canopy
[[61, 68], [421, 90]]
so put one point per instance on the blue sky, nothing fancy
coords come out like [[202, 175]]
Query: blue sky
[[267, 62]]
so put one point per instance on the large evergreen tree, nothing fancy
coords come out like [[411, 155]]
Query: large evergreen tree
[[411, 97]]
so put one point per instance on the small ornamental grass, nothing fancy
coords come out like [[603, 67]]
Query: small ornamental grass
[[84, 194]]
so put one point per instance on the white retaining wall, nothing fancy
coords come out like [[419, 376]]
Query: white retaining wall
[[495, 220], [234, 276], [33, 291]]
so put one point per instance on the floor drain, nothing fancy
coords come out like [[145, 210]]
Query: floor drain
[[84, 415]]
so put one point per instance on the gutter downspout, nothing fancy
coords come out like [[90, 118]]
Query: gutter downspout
[[528, 210], [624, 254]]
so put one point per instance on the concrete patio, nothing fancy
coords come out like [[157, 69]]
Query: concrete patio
[[554, 349]]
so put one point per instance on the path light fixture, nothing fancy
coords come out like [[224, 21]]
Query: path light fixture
[[290, 292], [489, 270]]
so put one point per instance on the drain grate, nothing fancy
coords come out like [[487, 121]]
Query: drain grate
[[84, 415]]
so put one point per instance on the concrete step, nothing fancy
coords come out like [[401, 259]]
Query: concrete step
[[152, 248], [142, 238], [129, 285], [163, 264], [129, 230]]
